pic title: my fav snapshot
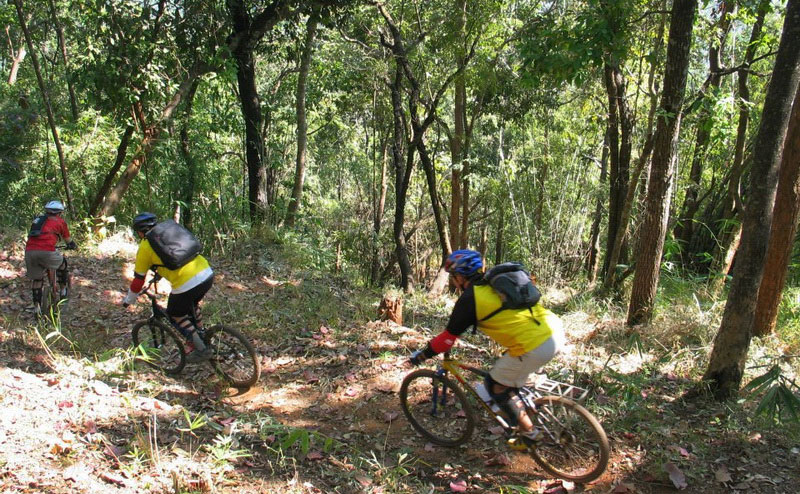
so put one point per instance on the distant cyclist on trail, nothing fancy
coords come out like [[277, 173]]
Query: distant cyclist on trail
[[40, 250], [190, 280], [532, 336]]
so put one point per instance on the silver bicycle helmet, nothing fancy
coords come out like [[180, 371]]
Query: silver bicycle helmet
[[54, 207]]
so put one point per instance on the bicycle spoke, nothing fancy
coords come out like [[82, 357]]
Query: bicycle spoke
[[574, 445], [159, 346], [436, 408], [233, 356]]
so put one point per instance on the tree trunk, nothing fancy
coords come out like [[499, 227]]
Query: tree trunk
[[302, 124], [684, 228], [498, 236], [619, 143], [16, 61], [247, 31], [187, 186], [594, 235], [656, 214], [122, 151], [73, 102], [459, 129], [726, 364], [784, 228], [46, 99], [402, 179], [379, 211], [150, 135], [430, 175], [254, 145], [731, 231]]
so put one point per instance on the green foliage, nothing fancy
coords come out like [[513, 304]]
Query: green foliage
[[779, 395]]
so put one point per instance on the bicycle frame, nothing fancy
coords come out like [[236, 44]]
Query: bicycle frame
[[454, 367], [160, 312], [50, 278]]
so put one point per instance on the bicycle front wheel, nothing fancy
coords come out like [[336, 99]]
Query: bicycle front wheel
[[233, 356], [574, 445], [437, 408], [159, 345]]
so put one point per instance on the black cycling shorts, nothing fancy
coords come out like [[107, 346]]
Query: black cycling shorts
[[181, 304]]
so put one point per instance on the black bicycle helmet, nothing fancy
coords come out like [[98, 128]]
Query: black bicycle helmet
[[143, 222]]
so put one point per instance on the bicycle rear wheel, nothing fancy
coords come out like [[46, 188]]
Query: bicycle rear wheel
[[574, 445], [233, 356], [49, 299], [159, 345], [437, 408]]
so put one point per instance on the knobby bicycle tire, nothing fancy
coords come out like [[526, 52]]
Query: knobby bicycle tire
[[159, 345], [233, 356], [437, 408], [49, 300], [574, 445]]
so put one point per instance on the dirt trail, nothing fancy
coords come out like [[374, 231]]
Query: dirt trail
[[82, 422]]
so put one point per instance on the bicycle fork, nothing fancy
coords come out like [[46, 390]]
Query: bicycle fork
[[435, 399]]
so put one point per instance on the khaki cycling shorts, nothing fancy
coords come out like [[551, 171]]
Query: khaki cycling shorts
[[516, 371], [36, 261]]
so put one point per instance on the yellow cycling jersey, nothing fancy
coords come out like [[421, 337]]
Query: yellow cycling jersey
[[518, 330], [146, 257]]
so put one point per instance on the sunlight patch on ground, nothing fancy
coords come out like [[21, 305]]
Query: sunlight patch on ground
[[121, 243]]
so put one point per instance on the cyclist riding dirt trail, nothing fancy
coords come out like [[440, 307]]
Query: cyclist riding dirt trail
[[190, 282], [531, 336], [40, 250]]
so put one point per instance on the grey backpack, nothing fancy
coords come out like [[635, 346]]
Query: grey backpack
[[513, 284]]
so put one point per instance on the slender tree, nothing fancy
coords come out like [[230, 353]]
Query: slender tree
[[784, 228], [48, 107], [726, 364], [302, 123], [656, 214]]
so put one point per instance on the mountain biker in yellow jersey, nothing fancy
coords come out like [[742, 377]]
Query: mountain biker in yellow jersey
[[40, 250], [531, 337], [189, 283]]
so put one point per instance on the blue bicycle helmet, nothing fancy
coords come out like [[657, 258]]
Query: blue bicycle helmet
[[465, 262], [143, 222]]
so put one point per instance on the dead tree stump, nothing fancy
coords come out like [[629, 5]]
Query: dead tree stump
[[391, 309]]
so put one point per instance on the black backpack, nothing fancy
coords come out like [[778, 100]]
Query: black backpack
[[514, 286], [173, 243], [37, 225]]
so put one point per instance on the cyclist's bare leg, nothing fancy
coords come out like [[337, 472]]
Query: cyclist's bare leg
[[198, 317], [515, 403]]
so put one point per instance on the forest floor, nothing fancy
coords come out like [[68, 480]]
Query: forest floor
[[78, 415]]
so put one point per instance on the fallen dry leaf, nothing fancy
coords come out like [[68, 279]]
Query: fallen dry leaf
[[498, 460], [722, 475], [388, 417], [112, 478], [624, 488], [314, 455], [675, 475]]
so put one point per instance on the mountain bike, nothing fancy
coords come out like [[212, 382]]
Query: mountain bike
[[572, 444], [158, 342], [55, 294]]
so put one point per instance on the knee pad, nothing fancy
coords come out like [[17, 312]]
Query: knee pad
[[61, 274], [507, 399]]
